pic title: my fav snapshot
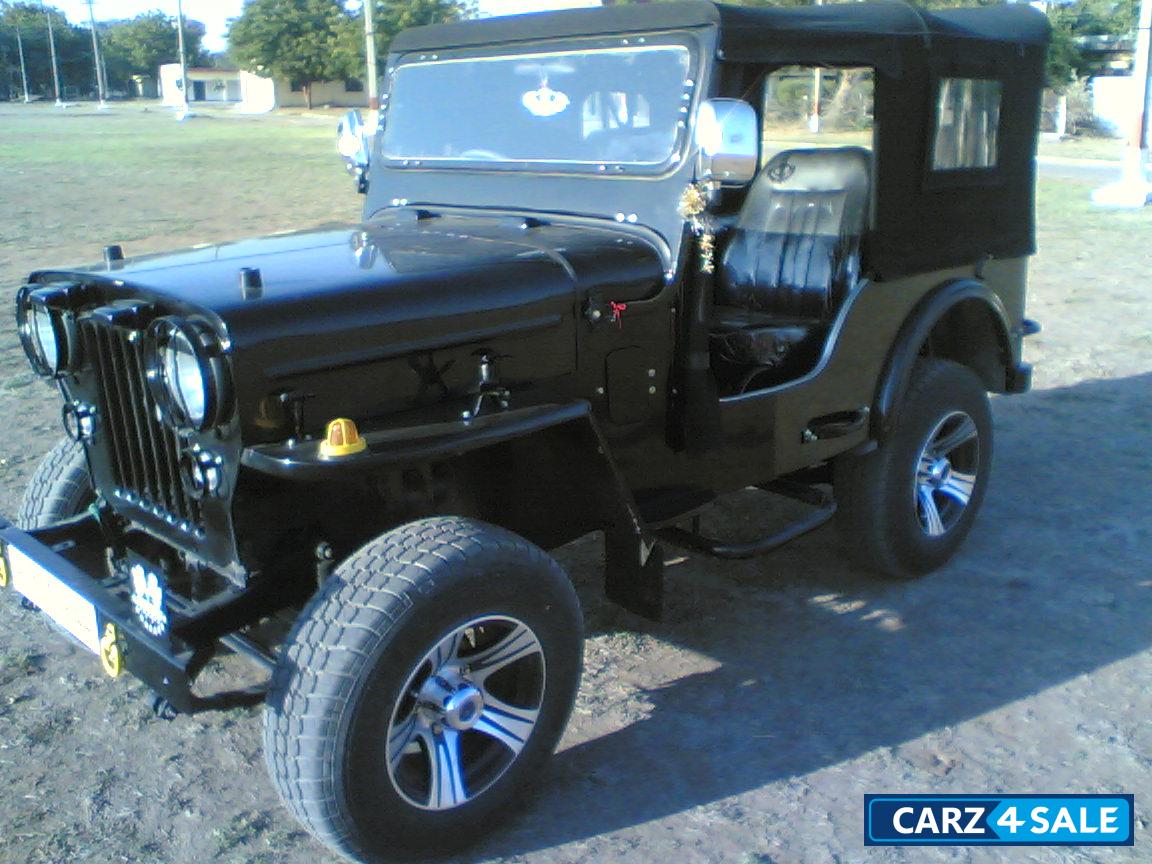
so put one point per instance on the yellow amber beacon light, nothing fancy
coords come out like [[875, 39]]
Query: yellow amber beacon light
[[342, 439]]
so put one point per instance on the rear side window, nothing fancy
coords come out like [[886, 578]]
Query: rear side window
[[812, 106], [967, 124]]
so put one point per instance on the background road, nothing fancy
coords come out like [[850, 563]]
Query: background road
[[1094, 171]]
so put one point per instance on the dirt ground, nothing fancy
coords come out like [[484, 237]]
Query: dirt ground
[[749, 726]]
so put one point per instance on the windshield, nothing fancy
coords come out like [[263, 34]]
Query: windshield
[[619, 106]]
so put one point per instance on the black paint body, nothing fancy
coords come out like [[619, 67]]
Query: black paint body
[[576, 288]]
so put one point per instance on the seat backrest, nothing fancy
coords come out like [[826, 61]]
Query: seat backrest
[[794, 252]]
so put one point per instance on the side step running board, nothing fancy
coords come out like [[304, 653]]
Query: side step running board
[[824, 509]]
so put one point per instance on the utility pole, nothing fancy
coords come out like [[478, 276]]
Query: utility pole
[[23, 68], [55, 67], [1133, 189], [184, 111], [104, 69], [817, 86], [370, 48], [101, 85]]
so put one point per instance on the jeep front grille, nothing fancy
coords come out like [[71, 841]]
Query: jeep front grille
[[143, 452]]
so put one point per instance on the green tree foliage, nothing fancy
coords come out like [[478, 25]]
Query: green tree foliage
[[141, 45], [301, 40], [307, 41], [1066, 58], [392, 16], [73, 47], [132, 47]]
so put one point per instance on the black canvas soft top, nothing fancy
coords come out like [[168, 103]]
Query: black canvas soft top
[[742, 29], [924, 219]]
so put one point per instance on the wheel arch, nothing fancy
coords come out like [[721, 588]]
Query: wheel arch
[[961, 320], [559, 483], [543, 472]]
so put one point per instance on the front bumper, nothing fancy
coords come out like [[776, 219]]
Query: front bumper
[[62, 561]]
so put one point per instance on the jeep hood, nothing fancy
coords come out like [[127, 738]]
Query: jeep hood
[[345, 294]]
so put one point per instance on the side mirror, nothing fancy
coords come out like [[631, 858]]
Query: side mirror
[[353, 143], [728, 141]]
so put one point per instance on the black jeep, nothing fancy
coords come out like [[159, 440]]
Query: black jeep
[[590, 292]]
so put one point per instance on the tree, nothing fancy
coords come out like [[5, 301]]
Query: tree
[[396, 15], [73, 47], [141, 45], [300, 40], [392, 16]]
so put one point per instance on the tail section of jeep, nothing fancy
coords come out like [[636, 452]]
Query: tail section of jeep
[[592, 290]]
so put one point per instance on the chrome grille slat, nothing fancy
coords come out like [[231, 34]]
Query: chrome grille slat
[[113, 415], [133, 430], [164, 445], [189, 508], [143, 452]]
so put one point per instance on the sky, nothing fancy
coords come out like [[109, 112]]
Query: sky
[[215, 13]]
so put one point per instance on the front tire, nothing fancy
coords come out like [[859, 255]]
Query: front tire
[[422, 688], [60, 488], [905, 508]]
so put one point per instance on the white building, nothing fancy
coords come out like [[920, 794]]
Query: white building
[[1112, 99], [250, 93]]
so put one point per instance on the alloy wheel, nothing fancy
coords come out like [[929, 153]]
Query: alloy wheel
[[946, 473], [466, 712]]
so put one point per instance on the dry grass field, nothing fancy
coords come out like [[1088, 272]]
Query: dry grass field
[[746, 728]]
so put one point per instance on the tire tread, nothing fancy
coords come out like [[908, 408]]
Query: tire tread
[[59, 489], [861, 482], [333, 641]]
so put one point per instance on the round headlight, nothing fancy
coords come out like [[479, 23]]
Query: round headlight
[[44, 333], [47, 334], [186, 374], [184, 378]]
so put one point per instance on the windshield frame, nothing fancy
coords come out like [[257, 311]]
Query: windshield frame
[[689, 93]]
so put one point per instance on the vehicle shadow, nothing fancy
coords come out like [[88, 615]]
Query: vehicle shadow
[[817, 663]]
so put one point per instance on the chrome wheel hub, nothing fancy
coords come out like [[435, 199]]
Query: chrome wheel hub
[[458, 704], [938, 472], [946, 473], [465, 713]]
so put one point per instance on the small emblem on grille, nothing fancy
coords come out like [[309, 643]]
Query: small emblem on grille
[[148, 600], [781, 172]]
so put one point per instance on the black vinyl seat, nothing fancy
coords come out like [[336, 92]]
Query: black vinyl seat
[[790, 260]]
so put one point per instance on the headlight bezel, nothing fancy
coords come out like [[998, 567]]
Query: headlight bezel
[[205, 352], [41, 305]]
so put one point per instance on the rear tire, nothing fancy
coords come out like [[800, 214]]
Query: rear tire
[[905, 508], [380, 730], [60, 488]]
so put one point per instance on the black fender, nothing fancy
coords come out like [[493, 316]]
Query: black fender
[[914, 333], [544, 472], [301, 460]]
